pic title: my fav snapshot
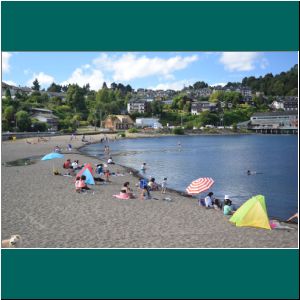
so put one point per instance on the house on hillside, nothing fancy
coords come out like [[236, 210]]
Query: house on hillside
[[138, 106], [198, 107], [45, 116], [118, 122]]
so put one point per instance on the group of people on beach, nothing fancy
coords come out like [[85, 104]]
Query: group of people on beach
[[211, 202], [145, 187]]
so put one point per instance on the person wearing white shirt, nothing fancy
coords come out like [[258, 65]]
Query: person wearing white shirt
[[208, 200]]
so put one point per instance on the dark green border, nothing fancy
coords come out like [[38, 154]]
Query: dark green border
[[145, 26], [172, 274]]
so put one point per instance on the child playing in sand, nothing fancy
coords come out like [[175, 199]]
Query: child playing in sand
[[164, 186]]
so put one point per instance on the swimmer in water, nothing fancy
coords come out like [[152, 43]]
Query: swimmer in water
[[248, 172]]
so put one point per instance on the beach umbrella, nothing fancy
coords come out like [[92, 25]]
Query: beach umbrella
[[199, 185], [52, 155]]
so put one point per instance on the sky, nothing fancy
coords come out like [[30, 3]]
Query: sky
[[154, 70]]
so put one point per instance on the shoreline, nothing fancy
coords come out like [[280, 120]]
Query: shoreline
[[47, 213]]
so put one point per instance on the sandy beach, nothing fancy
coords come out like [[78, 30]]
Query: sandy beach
[[47, 212]]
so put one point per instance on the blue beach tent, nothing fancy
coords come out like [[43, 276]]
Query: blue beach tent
[[89, 176]]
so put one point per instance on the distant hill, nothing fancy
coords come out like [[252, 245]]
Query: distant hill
[[283, 84]]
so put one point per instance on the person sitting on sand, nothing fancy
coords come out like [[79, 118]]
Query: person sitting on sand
[[77, 184], [209, 200], [126, 190], [67, 164], [110, 161], [99, 169], [82, 183], [228, 209], [217, 204]]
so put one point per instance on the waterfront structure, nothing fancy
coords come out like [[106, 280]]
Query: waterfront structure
[[45, 116], [138, 106], [198, 107], [148, 122], [275, 122], [118, 122]]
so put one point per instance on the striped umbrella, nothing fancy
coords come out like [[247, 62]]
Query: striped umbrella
[[200, 185]]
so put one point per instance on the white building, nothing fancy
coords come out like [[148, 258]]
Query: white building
[[148, 122], [137, 106]]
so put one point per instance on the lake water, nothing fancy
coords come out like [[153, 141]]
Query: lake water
[[224, 158]]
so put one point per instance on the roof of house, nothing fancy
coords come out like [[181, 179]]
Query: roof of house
[[278, 113]]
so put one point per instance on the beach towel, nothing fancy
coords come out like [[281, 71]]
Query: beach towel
[[122, 196]]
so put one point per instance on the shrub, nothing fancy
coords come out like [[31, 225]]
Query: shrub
[[133, 130], [178, 130], [122, 134]]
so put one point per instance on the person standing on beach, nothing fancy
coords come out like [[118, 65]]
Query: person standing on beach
[[143, 167], [164, 186]]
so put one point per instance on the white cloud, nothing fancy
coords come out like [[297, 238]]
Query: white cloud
[[44, 79], [219, 84], [5, 62], [27, 71], [241, 61], [175, 85], [264, 63], [10, 82], [85, 75], [131, 65]]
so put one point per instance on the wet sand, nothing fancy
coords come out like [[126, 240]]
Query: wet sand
[[47, 212]]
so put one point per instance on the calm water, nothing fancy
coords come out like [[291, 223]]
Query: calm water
[[224, 158]]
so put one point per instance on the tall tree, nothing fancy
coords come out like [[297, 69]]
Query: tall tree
[[75, 98], [54, 88], [7, 94], [36, 86], [200, 85]]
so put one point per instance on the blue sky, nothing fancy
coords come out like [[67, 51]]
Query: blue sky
[[156, 70]]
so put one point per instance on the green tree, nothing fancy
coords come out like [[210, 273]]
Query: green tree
[[9, 113], [208, 118], [75, 98], [217, 96], [39, 126], [54, 88], [7, 94], [23, 120], [36, 86], [200, 85], [156, 107]]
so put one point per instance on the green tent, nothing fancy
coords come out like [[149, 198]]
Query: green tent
[[252, 213]]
